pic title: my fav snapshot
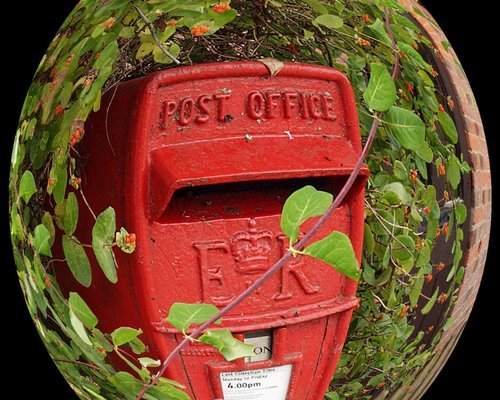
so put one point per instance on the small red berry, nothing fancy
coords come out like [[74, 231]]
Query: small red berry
[[442, 298], [51, 182], [221, 7], [200, 30], [441, 266], [405, 310], [445, 229], [451, 103], [441, 108], [410, 87], [172, 23], [428, 277], [366, 18], [109, 23], [59, 110], [441, 169]]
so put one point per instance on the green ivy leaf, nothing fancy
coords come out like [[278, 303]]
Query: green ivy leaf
[[70, 214], [124, 335], [125, 382], [166, 390], [407, 127], [79, 328], [316, 6], [395, 193], [336, 250], [403, 248], [82, 310], [48, 222], [453, 171], [182, 315], [61, 178], [147, 362], [302, 204], [27, 186], [448, 126], [428, 307], [77, 260], [380, 95], [330, 21], [378, 28], [416, 290], [368, 240], [103, 234], [41, 240], [224, 341], [460, 213]]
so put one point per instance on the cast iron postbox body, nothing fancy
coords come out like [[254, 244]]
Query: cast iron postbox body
[[197, 161]]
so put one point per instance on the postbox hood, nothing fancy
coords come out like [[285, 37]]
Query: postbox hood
[[215, 123]]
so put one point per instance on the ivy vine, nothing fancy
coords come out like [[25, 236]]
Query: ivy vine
[[104, 42]]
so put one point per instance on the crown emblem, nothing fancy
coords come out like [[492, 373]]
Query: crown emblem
[[252, 249]]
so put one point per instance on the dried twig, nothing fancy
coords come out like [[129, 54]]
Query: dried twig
[[157, 41]]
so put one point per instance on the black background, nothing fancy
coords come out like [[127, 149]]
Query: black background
[[32, 26]]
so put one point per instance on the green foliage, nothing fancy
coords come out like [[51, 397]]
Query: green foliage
[[103, 235], [182, 315], [224, 341], [104, 42], [336, 250], [380, 94], [77, 260], [301, 205]]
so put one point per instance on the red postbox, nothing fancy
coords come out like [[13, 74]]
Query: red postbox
[[198, 161]]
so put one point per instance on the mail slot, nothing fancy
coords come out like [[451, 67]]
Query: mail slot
[[198, 161]]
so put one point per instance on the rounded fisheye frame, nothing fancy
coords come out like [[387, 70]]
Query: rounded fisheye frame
[[454, 114]]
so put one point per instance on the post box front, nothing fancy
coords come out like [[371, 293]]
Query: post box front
[[198, 162]]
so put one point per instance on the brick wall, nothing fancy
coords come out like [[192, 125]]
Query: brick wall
[[479, 218]]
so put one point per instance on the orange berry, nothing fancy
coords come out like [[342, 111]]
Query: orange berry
[[438, 233], [427, 210], [54, 83], [87, 82], [410, 87], [366, 18], [363, 42], [200, 30], [381, 385], [109, 23], [172, 23], [442, 298], [445, 229], [405, 310], [441, 108], [59, 110], [414, 45], [441, 169], [441, 266], [221, 7], [130, 238], [51, 182], [428, 277], [451, 103]]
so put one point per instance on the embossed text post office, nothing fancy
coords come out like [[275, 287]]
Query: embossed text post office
[[197, 161]]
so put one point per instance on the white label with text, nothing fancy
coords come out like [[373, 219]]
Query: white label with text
[[259, 384]]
